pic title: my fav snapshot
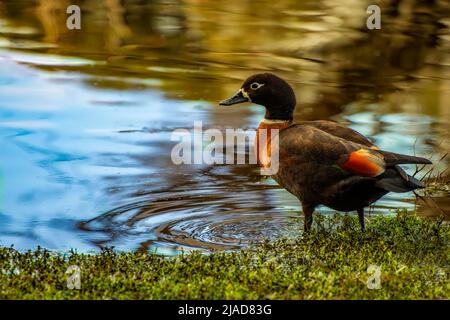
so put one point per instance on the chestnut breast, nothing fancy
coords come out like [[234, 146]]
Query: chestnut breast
[[267, 130]]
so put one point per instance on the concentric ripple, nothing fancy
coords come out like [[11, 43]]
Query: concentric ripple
[[184, 222], [214, 208]]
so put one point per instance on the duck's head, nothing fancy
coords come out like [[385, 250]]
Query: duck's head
[[268, 90]]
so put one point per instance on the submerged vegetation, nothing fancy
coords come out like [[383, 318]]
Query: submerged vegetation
[[332, 262]]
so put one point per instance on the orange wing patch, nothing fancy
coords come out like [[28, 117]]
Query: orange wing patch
[[364, 163]]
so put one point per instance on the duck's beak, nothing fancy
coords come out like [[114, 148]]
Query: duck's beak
[[237, 98]]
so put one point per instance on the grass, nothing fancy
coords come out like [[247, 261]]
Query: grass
[[330, 263]]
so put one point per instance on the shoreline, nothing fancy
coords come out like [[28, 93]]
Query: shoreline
[[409, 255]]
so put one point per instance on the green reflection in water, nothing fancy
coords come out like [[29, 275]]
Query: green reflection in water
[[193, 50]]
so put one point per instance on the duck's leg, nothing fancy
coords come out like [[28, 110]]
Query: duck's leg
[[361, 218], [308, 212]]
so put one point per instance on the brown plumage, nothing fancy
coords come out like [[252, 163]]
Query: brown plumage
[[323, 162]]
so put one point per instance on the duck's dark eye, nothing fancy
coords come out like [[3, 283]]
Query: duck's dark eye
[[256, 85]]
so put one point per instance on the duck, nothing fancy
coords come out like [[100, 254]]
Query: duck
[[323, 162]]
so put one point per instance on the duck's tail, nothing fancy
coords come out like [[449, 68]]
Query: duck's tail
[[393, 159], [395, 179]]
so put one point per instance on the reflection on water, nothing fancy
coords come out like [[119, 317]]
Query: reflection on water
[[86, 115]]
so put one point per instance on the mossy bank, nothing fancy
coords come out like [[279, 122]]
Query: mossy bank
[[412, 255]]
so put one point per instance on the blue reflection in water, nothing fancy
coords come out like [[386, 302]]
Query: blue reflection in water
[[58, 145]]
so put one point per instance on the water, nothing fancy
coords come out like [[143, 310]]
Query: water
[[86, 116]]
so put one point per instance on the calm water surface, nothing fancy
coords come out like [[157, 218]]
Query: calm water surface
[[86, 116]]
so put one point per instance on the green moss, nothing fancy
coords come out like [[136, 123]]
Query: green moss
[[330, 263]]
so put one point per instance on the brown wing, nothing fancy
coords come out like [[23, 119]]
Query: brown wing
[[341, 131], [310, 144]]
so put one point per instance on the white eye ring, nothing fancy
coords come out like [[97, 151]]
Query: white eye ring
[[256, 85]]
